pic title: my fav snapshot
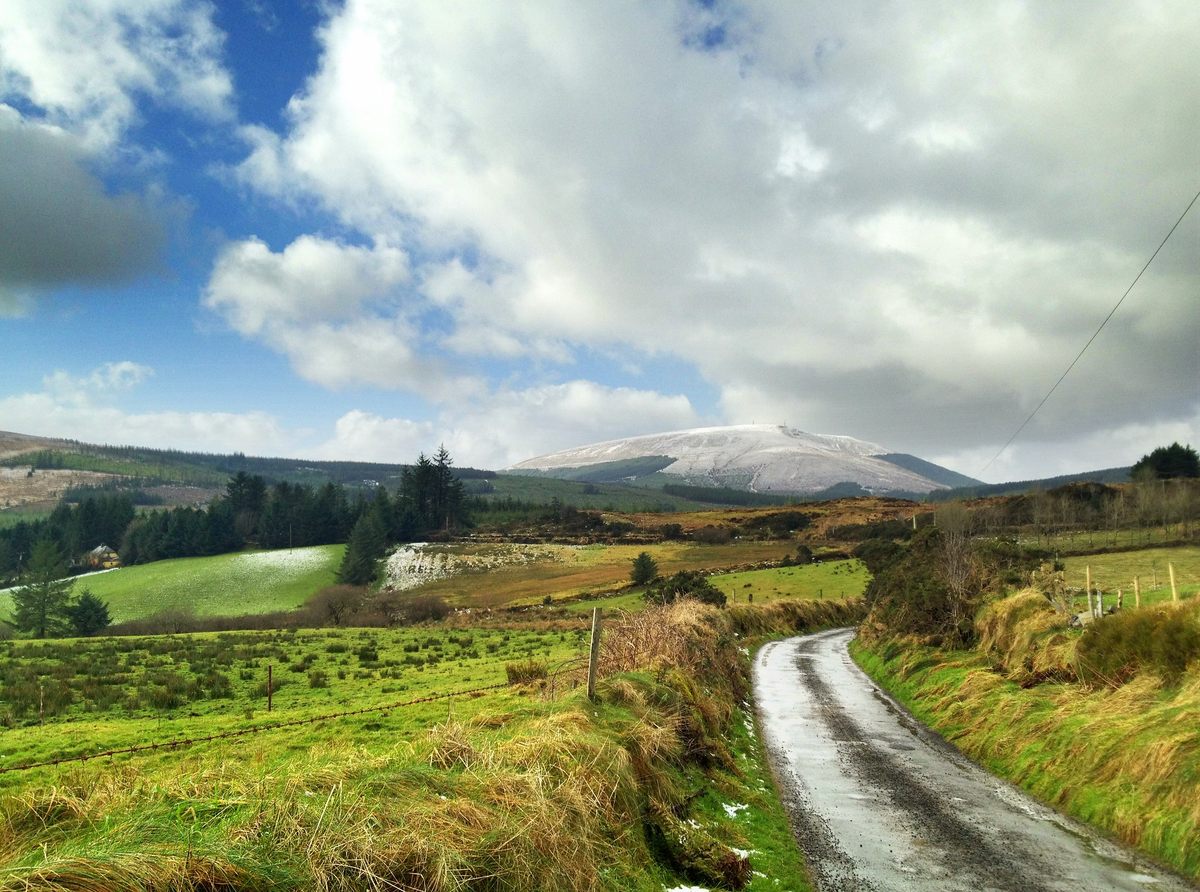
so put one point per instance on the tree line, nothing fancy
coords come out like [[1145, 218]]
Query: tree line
[[429, 503]]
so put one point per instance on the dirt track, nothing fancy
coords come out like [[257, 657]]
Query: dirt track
[[879, 802]]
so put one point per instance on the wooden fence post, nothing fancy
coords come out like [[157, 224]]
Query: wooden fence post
[[1137, 593], [1174, 591], [270, 667], [1120, 599], [594, 656]]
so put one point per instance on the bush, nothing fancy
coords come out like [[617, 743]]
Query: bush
[[524, 671], [931, 590], [1161, 639], [712, 535], [425, 608], [686, 584]]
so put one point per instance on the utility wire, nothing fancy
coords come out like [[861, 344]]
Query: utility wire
[[1111, 312]]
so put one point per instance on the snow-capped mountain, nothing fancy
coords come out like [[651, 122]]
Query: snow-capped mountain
[[763, 458]]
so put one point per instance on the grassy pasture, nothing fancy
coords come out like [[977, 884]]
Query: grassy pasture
[[224, 585], [565, 571], [831, 579], [103, 693], [1116, 570]]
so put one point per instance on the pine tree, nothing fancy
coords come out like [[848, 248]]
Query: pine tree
[[367, 544], [89, 615], [40, 605], [644, 569]]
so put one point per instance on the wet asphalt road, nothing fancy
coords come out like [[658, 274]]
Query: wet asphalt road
[[879, 802]]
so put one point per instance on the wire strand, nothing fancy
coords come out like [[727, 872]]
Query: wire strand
[[1095, 334]]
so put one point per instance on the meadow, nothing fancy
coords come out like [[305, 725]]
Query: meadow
[[566, 571], [86, 695], [828, 579], [1117, 570], [225, 585]]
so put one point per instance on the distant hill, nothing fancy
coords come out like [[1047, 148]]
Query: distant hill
[[123, 467], [980, 490], [759, 458]]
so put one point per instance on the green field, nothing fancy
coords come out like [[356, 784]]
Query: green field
[[1150, 566], [831, 579], [224, 585], [99, 693]]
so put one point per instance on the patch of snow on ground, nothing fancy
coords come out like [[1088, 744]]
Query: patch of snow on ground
[[733, 808], [295, 559], [418, 563], [686, 889]]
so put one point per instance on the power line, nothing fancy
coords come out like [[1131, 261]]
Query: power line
[[1111, 312]]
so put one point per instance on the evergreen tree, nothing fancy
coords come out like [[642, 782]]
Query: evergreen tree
[[368, 541], [89, 615], [1166, 462], [644, 569], [40, 604]]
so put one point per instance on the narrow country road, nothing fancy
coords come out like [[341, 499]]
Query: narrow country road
[[879, 802]]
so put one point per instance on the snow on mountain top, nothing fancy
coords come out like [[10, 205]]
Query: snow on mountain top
[[729, 440], [758, 457]]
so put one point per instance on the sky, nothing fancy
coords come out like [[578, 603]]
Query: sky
[[360, 230]]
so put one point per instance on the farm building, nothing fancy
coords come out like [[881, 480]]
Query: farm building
[[102, 558]]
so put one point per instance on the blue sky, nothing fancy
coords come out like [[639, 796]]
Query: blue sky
[[361, 229]]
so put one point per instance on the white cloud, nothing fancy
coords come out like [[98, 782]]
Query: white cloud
[[511, 425], [85, 65], [337, 311], [87, 408], [311, 280]]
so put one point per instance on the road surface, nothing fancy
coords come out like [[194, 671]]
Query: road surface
[[878, 802]]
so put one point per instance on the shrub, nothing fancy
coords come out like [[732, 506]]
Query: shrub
[[686, 584], [1161, 639], [712, 535], [524, 671], [425, 608], [318, 679]]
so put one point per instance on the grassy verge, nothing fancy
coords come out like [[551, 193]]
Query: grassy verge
[[1124, 758], [660, 782]]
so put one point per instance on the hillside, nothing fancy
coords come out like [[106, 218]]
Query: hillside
[[760, 458]]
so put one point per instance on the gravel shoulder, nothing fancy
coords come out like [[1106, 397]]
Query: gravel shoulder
[[879, 802]]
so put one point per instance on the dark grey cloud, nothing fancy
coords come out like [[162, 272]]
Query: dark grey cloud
[[59, 226]]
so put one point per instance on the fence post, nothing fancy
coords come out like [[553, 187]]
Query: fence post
[[1120, 599], [594, 656], [1174, 591], [269, 685], [1137, 593], [1088, 585]]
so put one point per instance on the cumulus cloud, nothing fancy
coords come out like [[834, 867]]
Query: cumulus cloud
[[337, 311], [87, 407], [311, 279], [512, 424], [898, 222], [84, 65]]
